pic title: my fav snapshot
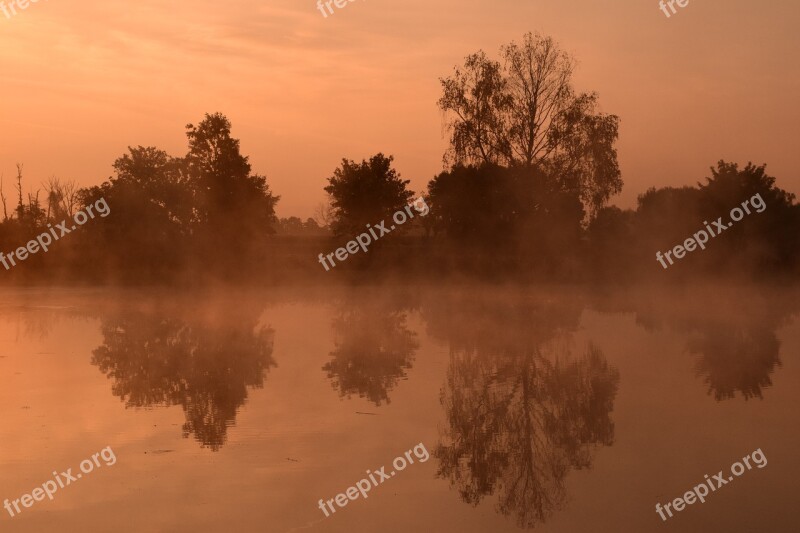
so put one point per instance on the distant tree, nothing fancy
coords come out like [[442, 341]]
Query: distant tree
[[766, 240], [763, 241], [30, 215], [3, 198], [365, 193], [62, 198], [311, 226], [158, 179], [613, 242], [525, 112], [323, 215], [667, 215], [296, 226], [291, 225]]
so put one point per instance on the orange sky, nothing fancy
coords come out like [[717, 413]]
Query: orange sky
[[83, 79]]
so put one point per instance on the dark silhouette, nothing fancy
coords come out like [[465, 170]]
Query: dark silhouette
[[497, 219], [735, 341], [522, 411], [736, 360], [763, 242], [294, 226], [523, 111], [374, 349], [532, 165], [148, 233], [365, 193], [206, 368], [233, 207], [204, 213]]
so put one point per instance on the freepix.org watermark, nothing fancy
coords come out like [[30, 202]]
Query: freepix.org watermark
[[61, 480], [701, 237], [671, 3], [717, 481], [44, 240], [365, 485], [325, 8], [364, 240], [11, 9]]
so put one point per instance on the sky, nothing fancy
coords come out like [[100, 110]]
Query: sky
[[84, 79]]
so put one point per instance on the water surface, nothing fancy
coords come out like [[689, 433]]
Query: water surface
[[549, 409]]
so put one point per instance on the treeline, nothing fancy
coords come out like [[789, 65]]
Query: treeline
[[530, 170]]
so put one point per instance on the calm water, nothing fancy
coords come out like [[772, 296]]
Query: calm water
[[552, 409]]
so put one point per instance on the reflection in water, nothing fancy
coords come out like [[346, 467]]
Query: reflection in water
[[374, 349], [205, 367], [522, 411], [732, 333], [736, 359]]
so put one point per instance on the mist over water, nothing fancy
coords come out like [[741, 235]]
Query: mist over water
[[419, 266], [541, 406]]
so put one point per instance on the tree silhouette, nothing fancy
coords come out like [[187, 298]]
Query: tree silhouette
[[205, 212], [518, 424], [156, 360], [365, 193], [522, 410], [146, 237], [374, 349], [732, 333], [525, 112], [764, 242], [736, 359], [233, 207]]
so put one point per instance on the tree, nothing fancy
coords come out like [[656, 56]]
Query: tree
[[206, 206], [480, 205], [146, 236], [62, 197], [233, 207], [365, 193], [525, 112]]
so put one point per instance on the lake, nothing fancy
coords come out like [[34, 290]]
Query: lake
[[551, 408]]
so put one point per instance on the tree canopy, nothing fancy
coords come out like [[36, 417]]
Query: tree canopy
[[524, 111], [365, 193]]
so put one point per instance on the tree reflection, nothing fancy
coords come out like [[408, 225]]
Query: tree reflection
[[732, 332], [522, 410], [373, 350], [736, 359], [204, 367]]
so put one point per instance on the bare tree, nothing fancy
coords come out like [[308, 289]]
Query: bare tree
[[53, 190], [3, 198], [69, 194], [323, 215], [20, 206], [62, 197]]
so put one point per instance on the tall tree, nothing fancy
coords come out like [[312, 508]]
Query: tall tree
[[232, 205], [523, 111]]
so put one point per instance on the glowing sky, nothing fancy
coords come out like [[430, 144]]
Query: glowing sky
[[83, 79]]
